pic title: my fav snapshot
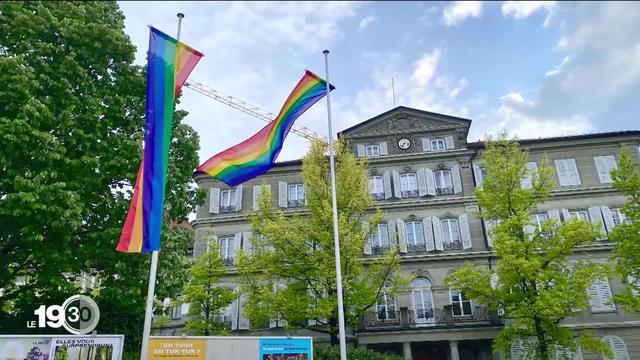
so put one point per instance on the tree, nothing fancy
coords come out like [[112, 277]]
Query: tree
[[206, 296], [626, 236], [71, 130], [533, 283], [290, 273]]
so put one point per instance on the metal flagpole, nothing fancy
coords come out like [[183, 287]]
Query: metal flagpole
[[336, 240], [148, 314]]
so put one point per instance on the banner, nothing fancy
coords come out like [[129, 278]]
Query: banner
[[186, 349], [27, 347], [285, 349], [61, 347]]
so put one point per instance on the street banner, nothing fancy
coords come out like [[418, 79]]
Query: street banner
[[285, 349], [25, 347], [86, 348]]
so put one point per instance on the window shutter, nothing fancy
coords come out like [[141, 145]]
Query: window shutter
[[565, 214], [360, 148], [455, 176], [431, 182], [465, 235], [246, 241], [367, 244], [214, 200], [383, 148], [386, 182], [402, 236], [236, 245], [234, 314], [617, 346], [282, 194], [239, 197], [488, 230], [529, 230], [608, 218], [477, 175], [554, 215], [422, 182], [600, 296], [605, 164], [396, 185], [526, 181], [596, 217], [449, 142], [437, 233], [184, 309], [243, 322], [256, 195], [426, 144], [428, 234], [391, 230], [567, 172]]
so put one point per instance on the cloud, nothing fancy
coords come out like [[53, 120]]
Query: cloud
[[522, 9], [457, 11], [366, 22], [426, 67]]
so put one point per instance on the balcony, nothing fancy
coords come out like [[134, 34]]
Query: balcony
[[444, 191], [410, 194], [377, 196], [413, 248], [379, 250], [227, 261], [454, 245], [295, 203], [439, 318], [227, 209]]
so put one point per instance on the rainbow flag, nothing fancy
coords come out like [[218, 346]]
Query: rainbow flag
[[256, 155], [169, 64]]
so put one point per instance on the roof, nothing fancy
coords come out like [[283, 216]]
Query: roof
[[480, 144]]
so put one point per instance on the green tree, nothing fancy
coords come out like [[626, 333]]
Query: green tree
[[206, 296], [533, 282], [71, 130], [290, 273], [626, 179]]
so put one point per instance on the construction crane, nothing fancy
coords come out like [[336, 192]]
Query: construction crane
[[250, 109]]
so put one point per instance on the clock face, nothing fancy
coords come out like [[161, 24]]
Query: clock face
[[404, 143]]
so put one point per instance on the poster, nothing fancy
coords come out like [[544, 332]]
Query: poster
[[86, 348], [185, 349], [25, 348], [286, 349]]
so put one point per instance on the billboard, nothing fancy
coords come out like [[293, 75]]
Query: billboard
[[60, 347]]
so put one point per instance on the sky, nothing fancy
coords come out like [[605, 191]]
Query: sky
[[531, 68]]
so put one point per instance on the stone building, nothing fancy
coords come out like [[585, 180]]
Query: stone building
[[423, 174]]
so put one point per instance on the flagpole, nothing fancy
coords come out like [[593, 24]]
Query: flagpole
[[148, 314], [336, 239]]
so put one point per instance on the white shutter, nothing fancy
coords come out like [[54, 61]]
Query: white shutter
[[529, 230], [448, 140], [596, 217], [383, 148], [402, 236], [605, 164], [488, 226], [234, 315], [437, 233], [246, 242], [243, 322], [428, 234], [455, 176], [531, 169], [426, 144], [565, 214], [463, 221], [367, 244], [282, 194], [236, 245], [617, 346], [567, 172], [600, 297], [431, 182], [386, 182], [360, 148], [608, 218], [238, 197], [397, 191], [184, 309], [554, 215], [391, 231], [422, 182], [256, 195], [477, 174], [214, 200]]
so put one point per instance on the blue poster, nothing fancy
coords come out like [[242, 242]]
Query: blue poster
[[286, 349]]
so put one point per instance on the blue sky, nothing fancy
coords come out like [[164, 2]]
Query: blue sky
[[534, 69]]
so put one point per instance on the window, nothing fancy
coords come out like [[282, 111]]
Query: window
[[408, 185], [415, 236], [617, 216], [226, 316], [438, 145], [386, 305], [225, 250], [444, 185], [461, 305], [228, 200], [422, 301], [372, 150], [562, 353], [376, 187], [617, 346], [538, 219], [176, 312], [380, 240], [450, 234], [296, 195], [580, 215], [600, 297]]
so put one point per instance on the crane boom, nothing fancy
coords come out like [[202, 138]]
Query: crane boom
[[250, 109]]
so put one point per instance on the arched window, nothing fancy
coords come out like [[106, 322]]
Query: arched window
[[386, 305], [520, 349], [422, 301], [562, 353], [617, 346]]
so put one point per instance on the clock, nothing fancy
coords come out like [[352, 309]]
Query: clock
[[404, 143]]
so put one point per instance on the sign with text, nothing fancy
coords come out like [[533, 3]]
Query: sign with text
[[186, 349], [286, 349], [61, 347]]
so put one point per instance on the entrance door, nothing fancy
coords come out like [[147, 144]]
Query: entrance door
[[429, 353]]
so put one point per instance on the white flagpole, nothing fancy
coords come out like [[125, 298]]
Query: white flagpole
[[336, 239], [148, 314]]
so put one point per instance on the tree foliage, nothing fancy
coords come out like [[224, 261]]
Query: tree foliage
[[535, 282], [205, 295], [71, 130], [626, 179], [290, 273]]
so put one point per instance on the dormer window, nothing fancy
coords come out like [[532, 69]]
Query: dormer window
[[438, 145], [372, 150]]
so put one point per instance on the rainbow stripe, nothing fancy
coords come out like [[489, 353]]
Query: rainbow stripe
[[256, 155], [169, 64]]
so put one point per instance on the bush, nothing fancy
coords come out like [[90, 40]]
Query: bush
[[327, 352]]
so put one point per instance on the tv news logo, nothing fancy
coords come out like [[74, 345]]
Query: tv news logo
[[79, 315]]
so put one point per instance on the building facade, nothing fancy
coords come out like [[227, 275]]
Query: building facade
[[423, 176]]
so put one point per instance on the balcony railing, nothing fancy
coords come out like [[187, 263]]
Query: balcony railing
[[379, 250], [227, 261], [377, 196], [295, 203], [444, 191], [454, 245], [410, 194], [227, 209], [416, 247], [445, 317]]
